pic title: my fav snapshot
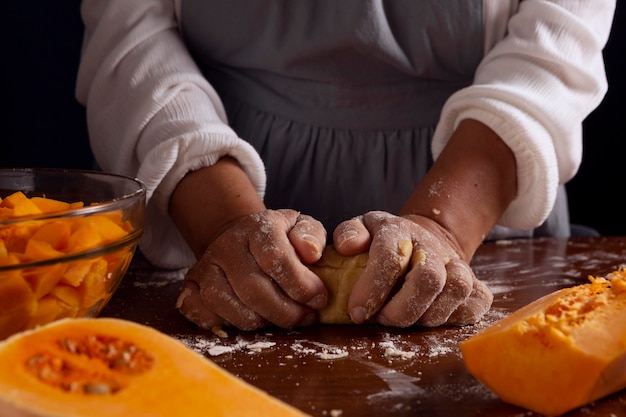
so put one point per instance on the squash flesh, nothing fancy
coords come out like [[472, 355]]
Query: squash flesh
[[558, 353], [78, 286], [173, 381]]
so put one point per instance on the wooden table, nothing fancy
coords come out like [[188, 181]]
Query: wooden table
[[373, 370]]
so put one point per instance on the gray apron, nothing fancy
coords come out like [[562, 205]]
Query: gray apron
[[340, 98]]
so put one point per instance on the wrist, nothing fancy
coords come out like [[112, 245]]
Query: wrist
[[205, 202]]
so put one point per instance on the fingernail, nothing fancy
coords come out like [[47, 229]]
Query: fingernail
[[313, 243], [308, 320], [383, 320], [317, 302], [346, 236], [186, 292], [358, 314]]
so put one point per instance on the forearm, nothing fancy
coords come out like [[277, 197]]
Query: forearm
[[469, 186], [207, 200]]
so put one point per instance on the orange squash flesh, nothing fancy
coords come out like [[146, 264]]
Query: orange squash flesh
[[558, 353], [35, 295], [111, 367]]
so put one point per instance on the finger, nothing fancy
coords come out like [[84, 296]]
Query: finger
[[474, 307], [248, 288], [422, 284], [276, 257], [308, 238], [216, 292], [389, 257], [271, 303], [351, 237], [459, 283], [190, 304]]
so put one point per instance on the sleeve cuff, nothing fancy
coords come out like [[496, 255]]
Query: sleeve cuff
[[537, 171], [163, 168]]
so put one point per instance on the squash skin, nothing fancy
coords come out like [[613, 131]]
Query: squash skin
[[178, 381], [559, 352]]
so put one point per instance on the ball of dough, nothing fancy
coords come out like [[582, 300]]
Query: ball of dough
[[339, 274]]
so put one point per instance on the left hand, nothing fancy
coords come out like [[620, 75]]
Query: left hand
[[254, 274], [439, 288]]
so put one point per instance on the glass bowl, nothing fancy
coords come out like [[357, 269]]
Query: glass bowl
[[66, 240]]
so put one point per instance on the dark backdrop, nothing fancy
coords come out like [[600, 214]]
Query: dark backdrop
[[597, 192], [44, 126]]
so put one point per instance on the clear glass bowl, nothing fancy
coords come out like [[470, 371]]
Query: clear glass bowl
[[67, 262]]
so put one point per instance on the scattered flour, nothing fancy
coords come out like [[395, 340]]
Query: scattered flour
[[301, 350], [438, 351], [392, 347], [220, 350], [330, 355], [259, 346], [392, 351], [320, 350]]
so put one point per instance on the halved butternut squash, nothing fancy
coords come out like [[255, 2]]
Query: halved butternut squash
[[558, 353], [112, 367]]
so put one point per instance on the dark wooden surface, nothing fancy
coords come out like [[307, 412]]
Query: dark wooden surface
[[373, 370]]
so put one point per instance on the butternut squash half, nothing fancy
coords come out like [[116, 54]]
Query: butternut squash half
[[558, 353], [110, 367]]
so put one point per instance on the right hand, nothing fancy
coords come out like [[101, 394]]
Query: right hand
[[254, 274], [439, 287]]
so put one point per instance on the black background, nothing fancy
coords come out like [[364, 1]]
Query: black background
[[44, 126]]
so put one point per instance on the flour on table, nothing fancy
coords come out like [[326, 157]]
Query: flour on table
[[212, 347], [392, 347], [320, 350], [391, 350], [332, 354], [259, 346]]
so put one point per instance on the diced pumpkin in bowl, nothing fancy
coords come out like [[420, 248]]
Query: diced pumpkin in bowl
[[57, 233], [38, 250], [58, 265], [44, 278], [14, 292], [47, 310], [15, 320], [20, 204], [94, 283], [50, 205]]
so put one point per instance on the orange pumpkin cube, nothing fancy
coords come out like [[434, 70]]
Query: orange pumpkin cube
[[21, 205], [49, 205]]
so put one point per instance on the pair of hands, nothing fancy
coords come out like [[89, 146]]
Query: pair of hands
[[254, 274]]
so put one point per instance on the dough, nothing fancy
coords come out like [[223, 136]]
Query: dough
[[339, 273]]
